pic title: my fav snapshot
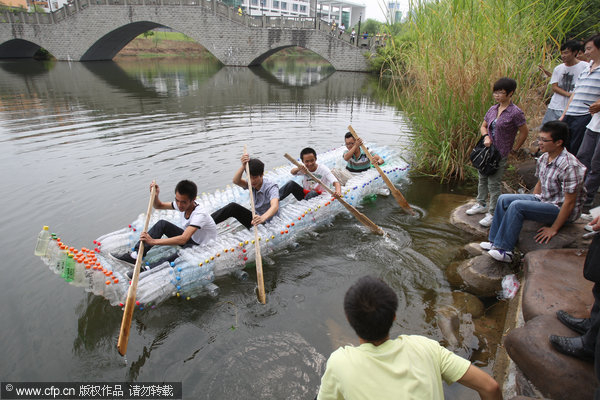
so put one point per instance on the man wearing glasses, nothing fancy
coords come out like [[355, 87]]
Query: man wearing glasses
[[557, 198]]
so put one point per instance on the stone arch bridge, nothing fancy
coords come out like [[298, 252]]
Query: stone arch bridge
[[89, 30]]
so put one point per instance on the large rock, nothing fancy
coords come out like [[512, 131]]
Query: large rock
[[556, 375], [468, 223], [554, 281], [482, 275], [566, 237], [473, 249], [527, 171]]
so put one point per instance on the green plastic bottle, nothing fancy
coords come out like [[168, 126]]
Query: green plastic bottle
[[69, 271]]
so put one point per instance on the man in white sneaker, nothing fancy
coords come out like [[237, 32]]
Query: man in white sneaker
[[558, 196]]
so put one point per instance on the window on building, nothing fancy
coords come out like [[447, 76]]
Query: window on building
[[283, 5], [302, 8], [254, 2], [275, 4], [295, 7]]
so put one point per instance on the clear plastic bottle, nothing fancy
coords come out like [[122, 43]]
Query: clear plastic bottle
[[42, 242]]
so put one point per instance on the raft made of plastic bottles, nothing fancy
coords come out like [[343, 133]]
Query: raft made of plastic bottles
[[194, 269]]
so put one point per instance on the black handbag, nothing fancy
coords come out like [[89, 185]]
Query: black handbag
[[591, 267], [485, 159]]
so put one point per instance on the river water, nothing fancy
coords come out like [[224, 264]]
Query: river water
[[80, 143]]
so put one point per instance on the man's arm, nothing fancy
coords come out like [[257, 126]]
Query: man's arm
[[260, 219], [172, 241], [562, 117], [548, 232], [538, 188], [523, 133], [482, 383], [338, 188], [237, 177], [559, 90], [160, 205]]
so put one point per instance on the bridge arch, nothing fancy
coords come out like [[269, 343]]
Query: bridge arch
[[18, 48], [107, 47], [261, 58]]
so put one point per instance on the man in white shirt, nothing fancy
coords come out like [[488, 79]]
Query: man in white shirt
[[563, 80], [198, 226], [309, 188]]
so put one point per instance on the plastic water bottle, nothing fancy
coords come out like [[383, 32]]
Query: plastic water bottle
[[69, 271], [61, 259], [240, 274], [213, 290], [42, 242]]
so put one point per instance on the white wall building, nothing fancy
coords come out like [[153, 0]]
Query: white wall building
[[339, 10]]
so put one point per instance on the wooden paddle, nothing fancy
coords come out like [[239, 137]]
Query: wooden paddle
[[360, 216], [259, 270], [395, 192], [130, 303]]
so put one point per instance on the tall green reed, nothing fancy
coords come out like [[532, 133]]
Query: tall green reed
[[443, 65]]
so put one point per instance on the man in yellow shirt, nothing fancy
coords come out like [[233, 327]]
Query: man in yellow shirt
[[409, 367]]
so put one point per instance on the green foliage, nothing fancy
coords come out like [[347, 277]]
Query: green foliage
[[370, 25], [589, 21], [147, 34], [446, 56]]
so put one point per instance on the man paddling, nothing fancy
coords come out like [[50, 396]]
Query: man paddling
[[198, 226], [310, 188], [266, 196]]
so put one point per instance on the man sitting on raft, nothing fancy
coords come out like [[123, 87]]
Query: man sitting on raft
[[266, 196], [309, 188], [198, 226], [357, 160]]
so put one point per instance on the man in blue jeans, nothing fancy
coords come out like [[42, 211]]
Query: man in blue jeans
[[557, 197]]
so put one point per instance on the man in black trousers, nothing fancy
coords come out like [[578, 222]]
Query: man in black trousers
[[586, 346]]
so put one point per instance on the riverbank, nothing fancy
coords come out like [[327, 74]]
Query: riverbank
[[551, 279]]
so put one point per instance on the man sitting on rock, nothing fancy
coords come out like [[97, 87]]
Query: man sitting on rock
[[408, 367], [557, 198]]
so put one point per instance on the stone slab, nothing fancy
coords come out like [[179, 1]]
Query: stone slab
[[468, 223], [473, 249], [557, 376], [482, 275], [566, 237], [554, 281]]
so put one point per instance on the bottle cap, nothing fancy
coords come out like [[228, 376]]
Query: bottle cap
[[45, 227]]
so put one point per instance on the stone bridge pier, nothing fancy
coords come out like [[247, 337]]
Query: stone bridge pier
[[88, 31]]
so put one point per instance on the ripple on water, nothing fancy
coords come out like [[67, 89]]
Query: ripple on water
[[283, 365]]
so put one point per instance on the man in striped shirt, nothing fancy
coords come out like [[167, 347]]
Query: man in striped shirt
[[557, 197], [587, 91]]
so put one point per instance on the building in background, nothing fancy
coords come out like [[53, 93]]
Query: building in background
[[345, 11], [394, 11]]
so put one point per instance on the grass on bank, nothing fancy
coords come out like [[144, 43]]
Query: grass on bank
[[444, 62]]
